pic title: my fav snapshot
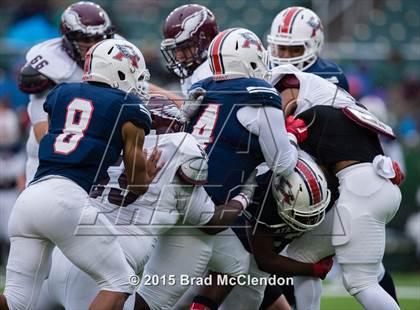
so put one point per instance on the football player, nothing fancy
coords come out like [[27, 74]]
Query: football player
[[90, 124], [366, 177], [297, 37], [283, 208], [175, 197], [59, 60], [188, 31], [238, 121]]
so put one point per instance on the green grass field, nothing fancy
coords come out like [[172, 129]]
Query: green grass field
[[349, 303], [408, 291]]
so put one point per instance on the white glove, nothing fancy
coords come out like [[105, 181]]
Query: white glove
[[192, 104]]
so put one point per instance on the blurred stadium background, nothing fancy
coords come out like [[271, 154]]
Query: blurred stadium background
[[376, 42]]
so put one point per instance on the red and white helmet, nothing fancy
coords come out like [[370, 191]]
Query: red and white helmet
[[119, 64], [302, 196], [296, 26], [238, 51]]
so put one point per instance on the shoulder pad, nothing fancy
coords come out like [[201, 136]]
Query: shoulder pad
[[50, 59], [31, 81], [364, 118], [194, 171]]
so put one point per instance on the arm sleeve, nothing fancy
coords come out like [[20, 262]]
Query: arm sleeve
[[198, 209], [36, 108], [137, 113], [268, 124]]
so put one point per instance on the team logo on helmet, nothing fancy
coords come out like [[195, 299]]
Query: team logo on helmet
[[191, 24], [315, 24], [283, 186], [251, 40], [126, 51]]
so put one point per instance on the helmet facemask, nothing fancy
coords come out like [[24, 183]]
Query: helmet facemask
[[182, 58], [301, 220], [188, 31], [83, 24], [78, 44], [302, 62], [296, 27], [302, 196]]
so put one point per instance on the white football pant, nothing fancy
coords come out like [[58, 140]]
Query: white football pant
[[355, 231], [47, 213], [186, 254]]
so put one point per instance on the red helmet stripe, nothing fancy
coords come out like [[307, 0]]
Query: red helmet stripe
[[88, 60], [288, 19], [310, 177], [215, 56], [293, 20]]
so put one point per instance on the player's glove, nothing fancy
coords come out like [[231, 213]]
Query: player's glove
[[297, 127], [247, 190], [399, 175], [193, 102], [321, 268]]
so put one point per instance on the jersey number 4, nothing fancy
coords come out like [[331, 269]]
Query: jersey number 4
[[203, 130], [79, 114]]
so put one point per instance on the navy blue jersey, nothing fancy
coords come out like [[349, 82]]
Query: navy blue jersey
[[263, 213], [84, 136], [329, 71], [233, 151]]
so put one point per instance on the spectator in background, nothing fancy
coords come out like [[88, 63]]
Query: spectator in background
[[31, 24]]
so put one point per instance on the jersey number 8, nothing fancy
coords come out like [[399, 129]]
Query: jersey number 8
[[79, 114]]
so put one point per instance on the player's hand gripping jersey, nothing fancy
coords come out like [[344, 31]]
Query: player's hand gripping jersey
[[84, 136]]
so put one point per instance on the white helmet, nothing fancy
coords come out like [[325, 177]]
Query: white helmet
[[237, 52], [117, 63], [296, 26], [302, 196]]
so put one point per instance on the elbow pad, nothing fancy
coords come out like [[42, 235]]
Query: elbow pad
[[31, 81], [194, 171]]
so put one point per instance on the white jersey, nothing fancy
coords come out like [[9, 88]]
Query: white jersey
[[167, 201], [314, 90], [50, 59], [201, 72]]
